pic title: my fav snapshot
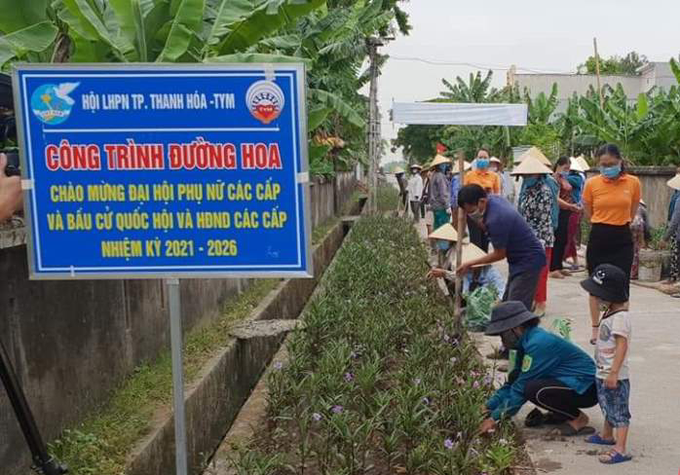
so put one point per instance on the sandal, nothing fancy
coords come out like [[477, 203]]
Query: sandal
[[599, 440], [534, 419], [566, 430], [612, 457]]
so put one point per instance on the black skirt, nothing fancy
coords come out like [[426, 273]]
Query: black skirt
[[609, 244]]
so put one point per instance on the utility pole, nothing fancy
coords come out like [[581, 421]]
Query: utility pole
[[597, 71], [372, 44]]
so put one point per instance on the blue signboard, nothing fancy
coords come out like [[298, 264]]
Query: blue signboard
[[158, 171]]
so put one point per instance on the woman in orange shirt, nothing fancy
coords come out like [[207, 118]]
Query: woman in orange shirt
[[610, 201]]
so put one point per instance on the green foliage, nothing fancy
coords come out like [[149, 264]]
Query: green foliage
[[647, 130], [614, 65], [418, 142], [387, 198], [100, 445], [329, 36], [378, 380]]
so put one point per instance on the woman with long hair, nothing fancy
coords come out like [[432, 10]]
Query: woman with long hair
[[535, 204], [567, 207], [611, 200]]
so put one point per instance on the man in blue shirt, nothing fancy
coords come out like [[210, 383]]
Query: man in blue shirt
[[512, 238], [551, 372]]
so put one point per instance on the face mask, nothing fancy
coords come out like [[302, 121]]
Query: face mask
[[477, 215], [531, 181], [611, 172], [482, 163], [564, 174], [510, 339]]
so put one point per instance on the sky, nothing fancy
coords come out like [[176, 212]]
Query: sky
[[542, 36]]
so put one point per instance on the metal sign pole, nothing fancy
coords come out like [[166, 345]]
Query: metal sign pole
[[177, 376]]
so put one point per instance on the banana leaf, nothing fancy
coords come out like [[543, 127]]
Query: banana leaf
[[19, 14], [338, 105], [34, 38], [256, 58], [186, 23], [130, 15], [260, 22]]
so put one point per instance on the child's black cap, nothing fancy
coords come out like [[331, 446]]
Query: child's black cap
[[608, 283]]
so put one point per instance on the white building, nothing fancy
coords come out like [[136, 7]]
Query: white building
[[651, 75]]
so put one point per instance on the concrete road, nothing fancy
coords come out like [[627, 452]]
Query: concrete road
[[654, 438]]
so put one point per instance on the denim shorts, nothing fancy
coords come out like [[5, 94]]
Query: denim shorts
[[614, 402]]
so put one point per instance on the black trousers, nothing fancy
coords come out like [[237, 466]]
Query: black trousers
[[555, 396], [609, 244], [477, 236], [561, 235], [415, 208]]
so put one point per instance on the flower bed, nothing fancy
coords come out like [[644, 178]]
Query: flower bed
[[377, 382]]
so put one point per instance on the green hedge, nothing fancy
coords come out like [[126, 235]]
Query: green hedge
[[377, 377]]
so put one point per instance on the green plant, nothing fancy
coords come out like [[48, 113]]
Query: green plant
[[327, 35], [647, 130], [377, 377], [387, 198]]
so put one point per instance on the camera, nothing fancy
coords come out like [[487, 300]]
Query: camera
[[12, 168], [8, 128], [8, 134]]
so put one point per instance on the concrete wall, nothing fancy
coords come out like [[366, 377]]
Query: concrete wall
[[655, 193], [655, 74], [73, 342]]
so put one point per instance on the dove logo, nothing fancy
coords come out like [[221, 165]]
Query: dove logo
[[51, 103], [265, 101]]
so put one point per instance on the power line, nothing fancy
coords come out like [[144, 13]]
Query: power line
[[495, 67]]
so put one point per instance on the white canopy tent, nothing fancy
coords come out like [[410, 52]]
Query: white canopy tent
[[444, 113]]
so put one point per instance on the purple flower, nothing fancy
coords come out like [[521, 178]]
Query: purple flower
[[337, 409], [278, 365], [349, 377], [316, 416], [448, 443], [488, 379], [353, 355], [475, 385]]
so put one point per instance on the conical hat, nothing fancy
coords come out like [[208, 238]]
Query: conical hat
[[415, 165], [674, 182], [466, 167], [438, 160], [575, 165], [495, 160], [446, 233], [536, 153], [398, 170], [531, 165], [584, 163], [470, 252]]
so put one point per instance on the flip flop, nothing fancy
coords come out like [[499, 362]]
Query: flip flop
[[553, 419], [614, 457], [598, 440], [534, 419], [565, 430]]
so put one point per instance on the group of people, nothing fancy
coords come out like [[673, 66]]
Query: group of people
[[536, 235]]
